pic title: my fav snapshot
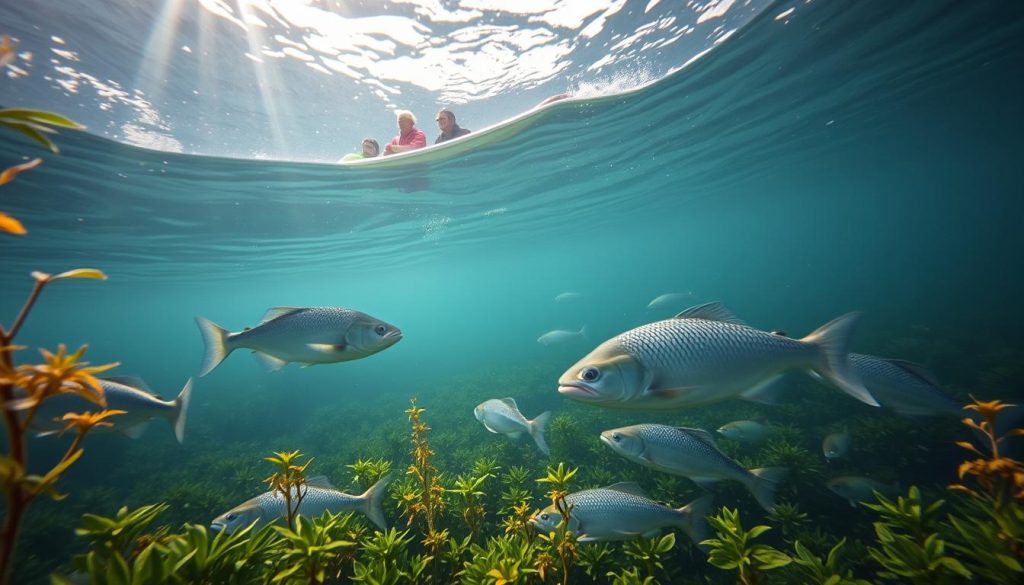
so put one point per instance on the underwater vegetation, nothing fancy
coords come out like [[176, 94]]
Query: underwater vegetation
[[474, 526], [25, 387]]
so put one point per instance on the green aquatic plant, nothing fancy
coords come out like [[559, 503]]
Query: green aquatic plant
[[503, 559], [802, 464], [733, 548], [366, 472], [516, 476], [788, 517], [242, 556], [289, 481], [813, 570], [312, 552], [629, 577], [470, 494], [594, 558], [512, 497], [650, 551]]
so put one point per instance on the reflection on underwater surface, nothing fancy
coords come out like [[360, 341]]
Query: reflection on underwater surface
[[854, 158]]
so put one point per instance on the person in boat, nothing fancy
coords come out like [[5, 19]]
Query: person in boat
[[409, 136], [370, 150], [449, 128]]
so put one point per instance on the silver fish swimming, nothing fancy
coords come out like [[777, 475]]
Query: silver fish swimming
[[705, 355], [855, 488], [307, 335], [905, 387], [320, 496], [502, 416], [744, 431], [129, 394], [691, 453], [836, 445], [562, 335], [622, 512]]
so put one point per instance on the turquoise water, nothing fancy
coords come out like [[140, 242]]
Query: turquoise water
[[856, 157]]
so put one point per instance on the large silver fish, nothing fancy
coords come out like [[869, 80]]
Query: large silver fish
[[622, 512], [904, 387], [691, 453], [705, 355], [129, 394], [320, 496], [502, 416], [317, 335]]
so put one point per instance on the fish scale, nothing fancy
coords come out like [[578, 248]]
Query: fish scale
[[314, 503], [680, 343], [602, 501]]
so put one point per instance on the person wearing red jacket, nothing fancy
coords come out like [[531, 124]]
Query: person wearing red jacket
[[409, 137]]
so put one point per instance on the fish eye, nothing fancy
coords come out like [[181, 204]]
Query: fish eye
[[231, 517], [381, 329], [590, 374], [544, 516]]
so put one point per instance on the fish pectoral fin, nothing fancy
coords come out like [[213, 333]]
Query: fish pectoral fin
[[134, 431], [586, 538], [269, 362], [327, 348], [768, 392]]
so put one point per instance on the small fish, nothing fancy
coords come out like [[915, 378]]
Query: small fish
[[562, 335], [704, 355], [129, 394], [320, 496], [691, 453], [622, 512], [905, 387], [855, 488], [317, 335], [502, 416], [667, 299], [836, 445], [567, 297], [745, 431]]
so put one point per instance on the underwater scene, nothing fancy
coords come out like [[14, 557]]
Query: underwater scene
[[757, 321]]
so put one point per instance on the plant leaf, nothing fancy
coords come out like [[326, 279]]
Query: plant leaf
[[81, 273], [10, 225], [39, 117]]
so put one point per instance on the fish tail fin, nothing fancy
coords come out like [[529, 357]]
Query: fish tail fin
[[833, 338], [216, 339], [583, 332], [693, 520], [539, 429], [763, 484], [180, 412], [373, 499]]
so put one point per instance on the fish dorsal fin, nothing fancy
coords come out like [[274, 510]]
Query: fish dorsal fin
[[701, 435], [278, 312], [917, 370], [511, 402], [320, 481], [713, 311], [628, 487], [130, 381]]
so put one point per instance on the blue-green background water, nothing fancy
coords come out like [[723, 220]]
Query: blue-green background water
[[856, 157]]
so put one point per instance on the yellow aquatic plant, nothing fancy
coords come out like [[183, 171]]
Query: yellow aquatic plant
[[1001, 477], [289, 481]]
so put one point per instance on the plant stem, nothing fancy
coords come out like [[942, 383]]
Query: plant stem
[[16, 500]]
